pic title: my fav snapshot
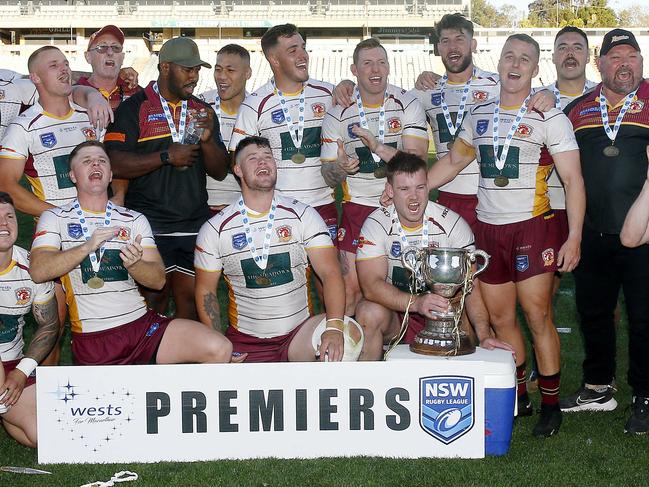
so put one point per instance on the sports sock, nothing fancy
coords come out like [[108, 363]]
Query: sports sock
[[549, 388], [520, 379]]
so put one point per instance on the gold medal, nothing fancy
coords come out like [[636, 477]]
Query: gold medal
[[611, 151], [298, 158], [95, 282], [501, 181], [381, 172], [262, 281]]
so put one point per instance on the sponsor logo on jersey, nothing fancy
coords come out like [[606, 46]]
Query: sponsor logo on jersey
[[48, 140], [239, 241], [589, 110], [394, 125], [436, 99], [479, 95], [341, 234], [524, 130], [548, 257], [156, 117], [152, 329], [277, 116], [124, 233], [333, 231], [446, 409], [522, 263], [284, 233], [89, 133], [481, 126], [23, 295], [363, 241], [395, 250], [318, 110], [351, 134], [74, 230], [636, 106]]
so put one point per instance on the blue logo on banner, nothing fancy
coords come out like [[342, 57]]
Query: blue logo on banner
[[446, 406], [277, 116], [74, 230], [156, 117], [436, 99], [351, 134], [522, 263], [239, 241], [48, 140], [395, 250], [333, 231], [482, 126]]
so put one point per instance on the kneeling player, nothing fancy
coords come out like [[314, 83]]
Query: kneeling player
[[411, 220], [263, 244], [19, 295], [101, 251]]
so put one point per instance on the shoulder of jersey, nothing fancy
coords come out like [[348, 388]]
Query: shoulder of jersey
[[316, 83], [481, 74], [400, 93], [21, 256], [435, 210]]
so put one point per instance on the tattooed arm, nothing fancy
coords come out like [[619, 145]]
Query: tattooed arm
[[332, 173], [207, 303]]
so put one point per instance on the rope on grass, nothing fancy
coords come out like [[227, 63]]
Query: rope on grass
[[123, 476]]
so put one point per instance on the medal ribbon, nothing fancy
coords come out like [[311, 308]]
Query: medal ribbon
[[402, 234], [95, 261], [612, 133], [363, 118], [176, 135], [460, 111], [500, 161], [557, 94], [260, 260], [295, 130]]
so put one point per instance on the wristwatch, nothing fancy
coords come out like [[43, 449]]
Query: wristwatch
[[164, 157]]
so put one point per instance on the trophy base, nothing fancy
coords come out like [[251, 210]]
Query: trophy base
[[442, 345]]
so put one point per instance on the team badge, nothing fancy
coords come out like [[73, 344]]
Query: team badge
[[436, 99], [446, 409], [23, 295], [351, 134], [481, 126], [333, 231], [277, 116], [318, 110], [284, 233], [479, 95], [239, 241], [89, 133], [394, 125], [524, 130], [48, 140], [341, 234], [74, 230], [548, 257], [362, 241], [2, 94], [395, 250], [522, 263], [636, 106], [124, 233]]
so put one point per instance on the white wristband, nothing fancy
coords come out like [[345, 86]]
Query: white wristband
[[333, 328], [27, 366]]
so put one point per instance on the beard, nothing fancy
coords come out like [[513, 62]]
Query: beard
[[619, 86], [466, 62]]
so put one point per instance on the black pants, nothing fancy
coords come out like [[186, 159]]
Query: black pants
[[605, 266]]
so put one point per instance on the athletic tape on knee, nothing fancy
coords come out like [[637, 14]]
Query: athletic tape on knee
[[352, 349]]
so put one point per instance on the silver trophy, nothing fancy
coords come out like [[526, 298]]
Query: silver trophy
[[448, 273]]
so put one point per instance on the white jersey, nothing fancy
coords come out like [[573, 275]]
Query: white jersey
[[380, 237], [556, 192], [17, 295], [404, 117], [16, 94], [45, 142], [483, 86], [119, 301], [271, 302], [227, 191], [528, 165], [261, 114]]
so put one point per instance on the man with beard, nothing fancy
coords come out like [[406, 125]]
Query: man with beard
[[231, 73], [611, 126], [167, 175], [397, 119], [288, 111], [264, 245], [516, 148]]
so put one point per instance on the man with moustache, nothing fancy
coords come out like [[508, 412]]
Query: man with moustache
[[264, 245], [516, 148], [231, 72], [167, 176], [612, 128]]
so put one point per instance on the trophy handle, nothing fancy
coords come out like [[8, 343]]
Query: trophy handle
[[485, 256]]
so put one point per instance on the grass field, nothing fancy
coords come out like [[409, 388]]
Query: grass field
[[591, 448]]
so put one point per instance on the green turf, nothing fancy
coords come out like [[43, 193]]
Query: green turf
[[590, 449]]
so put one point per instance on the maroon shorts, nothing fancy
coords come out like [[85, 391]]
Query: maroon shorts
[[134, 343], [10, 365], [462, 204], [519, 250], [562, 220], [329, 214], [352, 220], [273, 349]]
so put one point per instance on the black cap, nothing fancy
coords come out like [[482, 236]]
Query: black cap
[[618, 37]]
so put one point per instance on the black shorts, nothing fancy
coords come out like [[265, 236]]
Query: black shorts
[[177, 252]]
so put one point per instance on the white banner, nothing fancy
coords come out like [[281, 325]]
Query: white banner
[[407, 407]]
